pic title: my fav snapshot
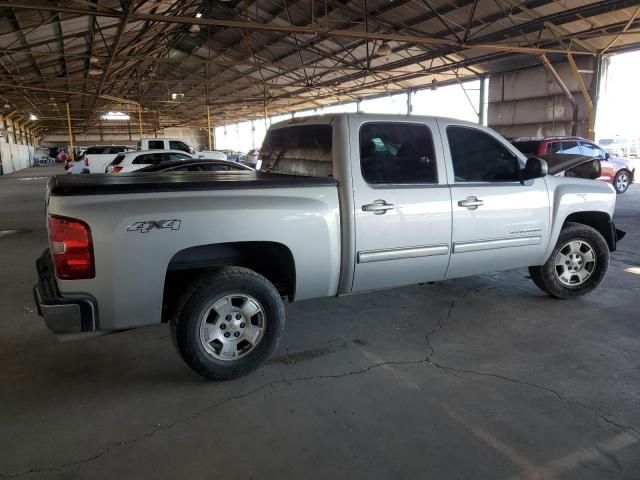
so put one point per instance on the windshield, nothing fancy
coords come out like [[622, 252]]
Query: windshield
[[298, 150]]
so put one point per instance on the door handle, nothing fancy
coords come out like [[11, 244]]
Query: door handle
[[472, 203], [378, 207]]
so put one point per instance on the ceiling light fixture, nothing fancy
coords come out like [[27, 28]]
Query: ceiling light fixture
[[114, 116], [32, 117]]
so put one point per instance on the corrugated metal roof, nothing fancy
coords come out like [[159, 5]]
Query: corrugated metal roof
[[279, 55]]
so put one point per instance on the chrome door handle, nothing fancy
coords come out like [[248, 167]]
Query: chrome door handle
[[378, 207], [471, 203]]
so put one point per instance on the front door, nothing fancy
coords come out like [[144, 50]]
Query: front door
[[499, 223], [402, 203]]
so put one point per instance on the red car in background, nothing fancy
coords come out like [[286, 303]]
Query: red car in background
[[614, 170]]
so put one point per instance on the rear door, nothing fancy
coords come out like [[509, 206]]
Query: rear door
[[402, 203], [499, 223]]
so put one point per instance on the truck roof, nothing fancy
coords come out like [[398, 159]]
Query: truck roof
[[105, 184], [369, 117]]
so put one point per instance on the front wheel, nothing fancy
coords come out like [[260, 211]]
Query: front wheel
[[228, 323], [621, 181], [577, 265]]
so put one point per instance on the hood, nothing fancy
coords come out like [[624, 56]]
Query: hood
[[618, 160], [580, 166]]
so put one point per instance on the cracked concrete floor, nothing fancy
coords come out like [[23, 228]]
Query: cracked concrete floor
[[480, 378]]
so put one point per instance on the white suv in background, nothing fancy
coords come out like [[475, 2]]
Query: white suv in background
[[132, 161], [96, 158]]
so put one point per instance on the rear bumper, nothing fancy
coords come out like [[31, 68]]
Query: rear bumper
[[61, 315]]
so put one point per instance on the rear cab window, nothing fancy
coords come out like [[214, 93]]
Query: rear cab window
[[156, 144], [529, 147], [304, 150]]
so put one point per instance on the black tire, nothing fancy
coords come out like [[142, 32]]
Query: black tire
[[620, 190], [195, 302], [546, 276]]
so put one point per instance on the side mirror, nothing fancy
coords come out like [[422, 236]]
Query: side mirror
[[535, 168], [607, 155]]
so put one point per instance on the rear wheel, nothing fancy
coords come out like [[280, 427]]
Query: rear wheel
[[228, 323], [577, 264], [622, 181]]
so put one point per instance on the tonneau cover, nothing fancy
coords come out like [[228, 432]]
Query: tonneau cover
[[112, 184]]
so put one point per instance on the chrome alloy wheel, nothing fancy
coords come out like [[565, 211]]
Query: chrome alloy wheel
[[575, 263], [232, 326], [622, 181]]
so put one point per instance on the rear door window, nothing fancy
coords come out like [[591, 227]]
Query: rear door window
[[554, 147], [97, 150], [148, 159], [177, 156], [572, 147], [304, 150], [397, 153], [187, 168], [214, 167], [156, 144]]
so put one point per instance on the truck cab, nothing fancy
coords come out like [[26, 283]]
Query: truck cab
[[177, 144]]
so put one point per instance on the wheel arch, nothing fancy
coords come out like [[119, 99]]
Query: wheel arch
[[600, 221], [272, 260]]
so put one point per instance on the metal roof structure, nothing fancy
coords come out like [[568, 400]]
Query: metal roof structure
[[244, 58]]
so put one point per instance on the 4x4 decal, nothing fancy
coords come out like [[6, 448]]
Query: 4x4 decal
[[144, 227]]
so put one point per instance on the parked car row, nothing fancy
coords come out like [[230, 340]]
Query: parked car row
[[615, 170], [148, 151], [171, 160]]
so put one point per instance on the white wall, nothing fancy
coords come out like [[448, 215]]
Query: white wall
[[15, 157]]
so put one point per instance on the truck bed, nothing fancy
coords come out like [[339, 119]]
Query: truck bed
[[105, 184]]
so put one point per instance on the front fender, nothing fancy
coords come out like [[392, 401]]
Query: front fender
[[568, 196]]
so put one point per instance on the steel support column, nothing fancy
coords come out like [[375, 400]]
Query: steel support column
[[209, 126], [554, 73], [482, 107], [71, 151]]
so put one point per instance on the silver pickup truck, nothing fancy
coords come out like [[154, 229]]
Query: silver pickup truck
[[343, 204]]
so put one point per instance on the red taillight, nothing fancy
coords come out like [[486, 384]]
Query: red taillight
[[71, 248], [115, 169], [86, 161]]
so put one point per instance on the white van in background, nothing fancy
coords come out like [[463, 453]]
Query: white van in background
[[176, 144]]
